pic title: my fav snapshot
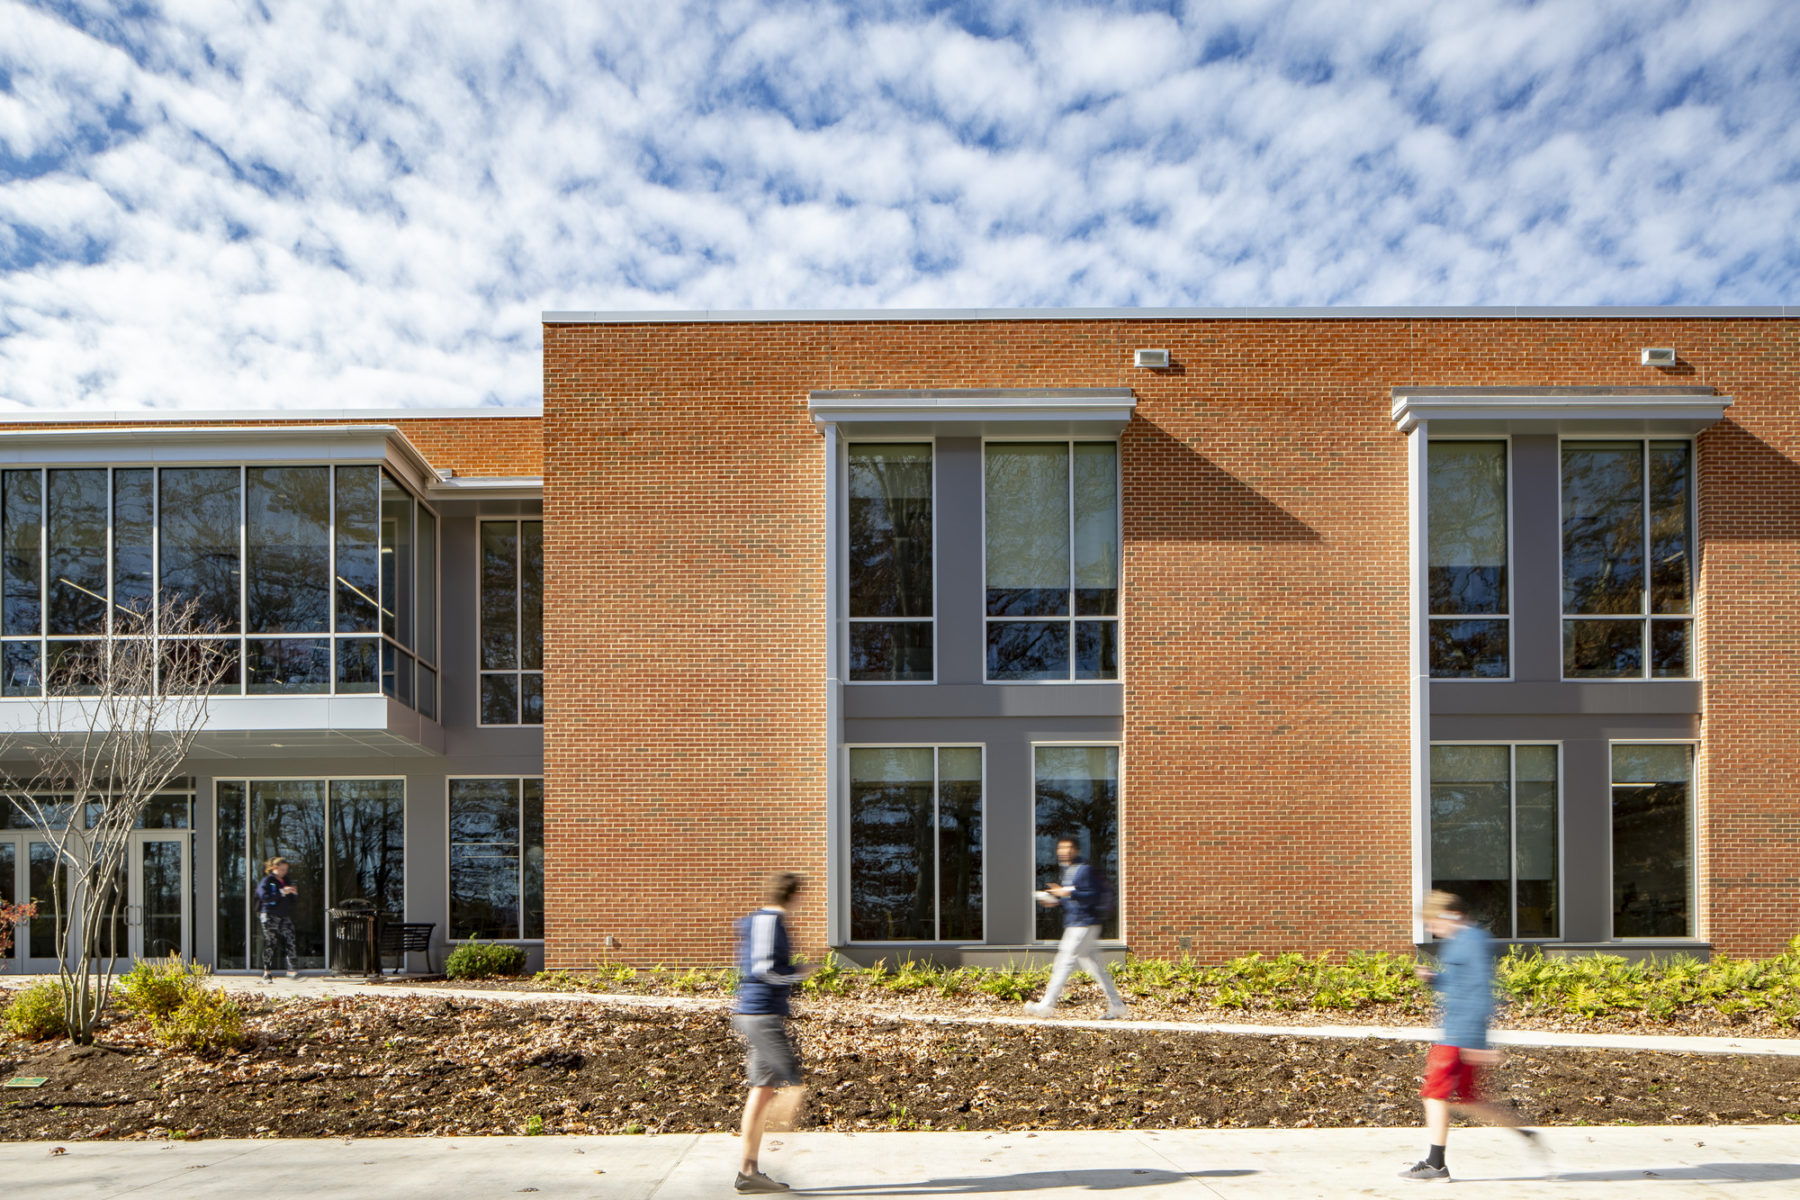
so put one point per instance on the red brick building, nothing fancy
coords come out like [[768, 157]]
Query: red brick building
[[1333, 607]]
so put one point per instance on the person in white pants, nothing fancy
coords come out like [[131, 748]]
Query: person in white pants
[[1078, 894]]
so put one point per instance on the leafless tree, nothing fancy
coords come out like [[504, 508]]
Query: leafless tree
[[115, 722]]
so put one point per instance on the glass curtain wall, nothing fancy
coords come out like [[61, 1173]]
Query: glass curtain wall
[[496, 859], [890, 563], [1627, 559], [1076, 795], [1468, 603], [1494, 835], [343, 838], [916, 844], [264, 553], [512, 622], [1652, 840], [1052, 560]]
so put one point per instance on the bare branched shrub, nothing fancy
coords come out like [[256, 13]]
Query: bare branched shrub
[[116, 721]]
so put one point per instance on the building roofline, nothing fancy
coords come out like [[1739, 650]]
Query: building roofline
[[855, 315], [160, 416]]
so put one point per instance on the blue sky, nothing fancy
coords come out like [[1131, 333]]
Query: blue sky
[[207, 204]]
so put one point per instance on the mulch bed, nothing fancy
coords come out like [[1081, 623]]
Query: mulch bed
[[423, 1064]]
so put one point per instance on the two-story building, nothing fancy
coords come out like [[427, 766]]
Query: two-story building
[[1287, 615]]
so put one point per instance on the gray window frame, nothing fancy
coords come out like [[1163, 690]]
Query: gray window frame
[[936, 581], [1646, 617], [1512, 809], [1118, 618], [449, 845], [480, 673], [1511, 559], [936, 779]]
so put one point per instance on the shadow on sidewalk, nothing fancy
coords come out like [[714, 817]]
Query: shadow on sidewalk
[[1104, 1179]]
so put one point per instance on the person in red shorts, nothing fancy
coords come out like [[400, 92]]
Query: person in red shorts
[[1464, 982]]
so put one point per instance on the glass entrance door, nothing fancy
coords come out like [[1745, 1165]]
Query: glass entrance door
[[158, 892]]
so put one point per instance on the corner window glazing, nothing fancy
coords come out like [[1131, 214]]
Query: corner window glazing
[[1052, 561], [1467, 583], [1494, 835], [890, 562], [304, 579], [1627, 559], [512, 622]]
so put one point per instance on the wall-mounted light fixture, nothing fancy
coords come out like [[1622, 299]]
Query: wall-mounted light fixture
[[1154, 359], [1657, 356]]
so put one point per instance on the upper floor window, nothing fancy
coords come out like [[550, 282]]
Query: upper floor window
[[512, 622], [1466, 507], [1052, 560], [890, 562], [308, 579], [1627, 559]]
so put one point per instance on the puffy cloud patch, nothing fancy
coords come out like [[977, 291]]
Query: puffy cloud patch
[[210, 204]]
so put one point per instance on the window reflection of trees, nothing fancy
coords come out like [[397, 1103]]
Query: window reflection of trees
[[1077, 795], [890, 562], [287, 532], [496, 858], [199, 511]]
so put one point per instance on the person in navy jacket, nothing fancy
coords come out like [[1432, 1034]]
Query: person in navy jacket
[[275, 911], [766, 974], [1080, 895]]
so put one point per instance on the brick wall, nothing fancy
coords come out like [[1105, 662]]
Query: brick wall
[[1266, 763]]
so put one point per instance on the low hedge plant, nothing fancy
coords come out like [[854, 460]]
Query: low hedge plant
[[484, 960]]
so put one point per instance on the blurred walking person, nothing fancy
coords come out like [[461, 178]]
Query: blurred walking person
[[1086, 898], [766, 973], [1464, 982]]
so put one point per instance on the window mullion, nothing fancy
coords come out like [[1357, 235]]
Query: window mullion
[[1069, 515]]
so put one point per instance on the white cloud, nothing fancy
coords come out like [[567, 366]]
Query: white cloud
[[216, 206]]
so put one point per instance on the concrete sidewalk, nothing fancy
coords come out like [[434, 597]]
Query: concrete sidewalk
[[1782, 1047], [1667, 1163]]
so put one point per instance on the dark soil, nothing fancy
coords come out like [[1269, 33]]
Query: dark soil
[[434, 1065]]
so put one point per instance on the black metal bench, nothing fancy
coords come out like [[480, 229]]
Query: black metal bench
[[400, 938]]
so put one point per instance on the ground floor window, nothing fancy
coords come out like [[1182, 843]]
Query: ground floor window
[[343, 838], [496, 858], [1652, 840], [1494, 835], [915, 844], [1076, 794]]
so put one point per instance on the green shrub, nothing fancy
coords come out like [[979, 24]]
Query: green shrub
[[36, 1012], [154, 988], [206, 1019], [484, 960]]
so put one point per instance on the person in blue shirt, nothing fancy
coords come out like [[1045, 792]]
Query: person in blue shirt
[[1464, 983], [1081, 893], [275, 912], [766, 973]]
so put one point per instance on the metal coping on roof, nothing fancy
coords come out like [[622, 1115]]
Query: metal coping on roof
[[273, 417], [852, 315]]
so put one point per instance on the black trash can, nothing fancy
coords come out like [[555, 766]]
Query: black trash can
[[356, 939]]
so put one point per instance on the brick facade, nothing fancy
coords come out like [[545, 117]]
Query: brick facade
[[1266, 776]]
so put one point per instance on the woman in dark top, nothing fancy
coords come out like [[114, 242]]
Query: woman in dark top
[[275, 909]]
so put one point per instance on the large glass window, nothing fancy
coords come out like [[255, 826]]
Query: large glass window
[[512, 622], [915, 844], [1627, 560], [1467, 584], [1652, 840], [1052, 560], [266, 553], [1076, 795], [343, 838], [496, 858], [1494, 835], [890, 561]]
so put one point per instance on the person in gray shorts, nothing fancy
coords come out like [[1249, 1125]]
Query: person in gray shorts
[[766, 973]]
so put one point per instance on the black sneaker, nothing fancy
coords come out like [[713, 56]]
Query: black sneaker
[[756, 1181], [1424, 1170]]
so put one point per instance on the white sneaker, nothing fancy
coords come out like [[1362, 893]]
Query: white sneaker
[[268, 978], [1115, 1014], [1038, 1010], [293, 974]]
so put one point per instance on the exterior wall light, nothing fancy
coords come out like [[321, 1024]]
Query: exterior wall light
[[1155, 359], [1657, 356]]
